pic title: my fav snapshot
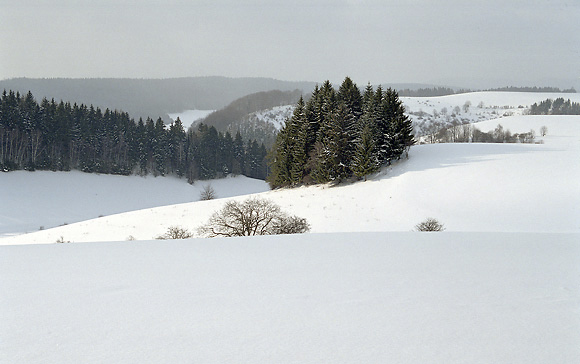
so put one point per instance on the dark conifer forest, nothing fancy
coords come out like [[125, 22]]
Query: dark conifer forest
[[558, 106], [339, 134], [62, 137]]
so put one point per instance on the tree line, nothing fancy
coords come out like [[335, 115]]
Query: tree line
[[558, 106], [532, 89], [62, 137], [468, 133], [339, 134], [443, 91]]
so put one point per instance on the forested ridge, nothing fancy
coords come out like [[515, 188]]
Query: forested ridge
[[150, 97], [339, 134], [59, 136]]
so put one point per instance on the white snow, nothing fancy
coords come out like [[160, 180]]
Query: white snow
[[35, 200], [319, 298], [485, 105], [500, 285], [276, 116], [189, 117]]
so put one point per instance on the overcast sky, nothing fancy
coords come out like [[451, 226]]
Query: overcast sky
[[453, 42]]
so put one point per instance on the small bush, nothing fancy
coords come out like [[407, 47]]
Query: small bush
[[175, 232], [291, 225], [208, 193], [62, 241], [430, 224]]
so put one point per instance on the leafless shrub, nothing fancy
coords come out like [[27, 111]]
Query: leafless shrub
[[430, 224], [208, 193], [62, 241], [254, 216]]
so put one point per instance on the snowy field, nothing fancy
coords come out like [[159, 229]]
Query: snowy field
[[41, 200], [188, 117], [500, 285], [319, 298], [430, 114]]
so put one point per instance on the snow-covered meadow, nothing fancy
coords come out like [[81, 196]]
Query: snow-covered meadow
[[500, 285], [430, 114], [318, 298], [33, 201], [189, 117]]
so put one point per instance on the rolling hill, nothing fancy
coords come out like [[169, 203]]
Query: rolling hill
[[150, 97], [500, 285]]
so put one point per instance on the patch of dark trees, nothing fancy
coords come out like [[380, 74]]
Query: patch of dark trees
[[558, 106], [63, 137], [340, 134]]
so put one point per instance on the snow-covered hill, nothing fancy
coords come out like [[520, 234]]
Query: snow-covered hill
[[430, 114], [43, 200], [468, 187], [276, 116]]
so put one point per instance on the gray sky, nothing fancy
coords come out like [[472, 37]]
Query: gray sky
[[459, 43]]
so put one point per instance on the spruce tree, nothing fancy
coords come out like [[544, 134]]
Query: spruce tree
[[399, 136], [365, 159], [298, 130]]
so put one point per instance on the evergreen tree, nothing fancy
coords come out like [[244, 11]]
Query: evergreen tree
[[238, 166], [399, 134], [297, 135], [354, 134], [365, 160], [280, 160]]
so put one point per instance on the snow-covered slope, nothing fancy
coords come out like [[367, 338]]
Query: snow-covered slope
[[276, 116], [468, 187], [430, 114], [320, 298], [189, 117], [40, 200]]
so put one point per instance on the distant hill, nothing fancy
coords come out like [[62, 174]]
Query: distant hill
[[248, 104], [151, 97]]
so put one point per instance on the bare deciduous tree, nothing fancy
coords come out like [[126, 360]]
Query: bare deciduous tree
[[430, 224], [208, 193], [543, 130], [466, 106], [175, 232], [254, 216]]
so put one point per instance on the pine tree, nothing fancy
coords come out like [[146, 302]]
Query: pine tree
[[399, 136], [365, 160], [298, 130], [239, 155]]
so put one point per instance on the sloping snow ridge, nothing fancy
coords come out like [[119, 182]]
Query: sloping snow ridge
[[500, 285], [42, 200]]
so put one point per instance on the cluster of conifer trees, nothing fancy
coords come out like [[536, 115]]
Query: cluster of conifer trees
[[340, 133], [555, 107], [60, 136]]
